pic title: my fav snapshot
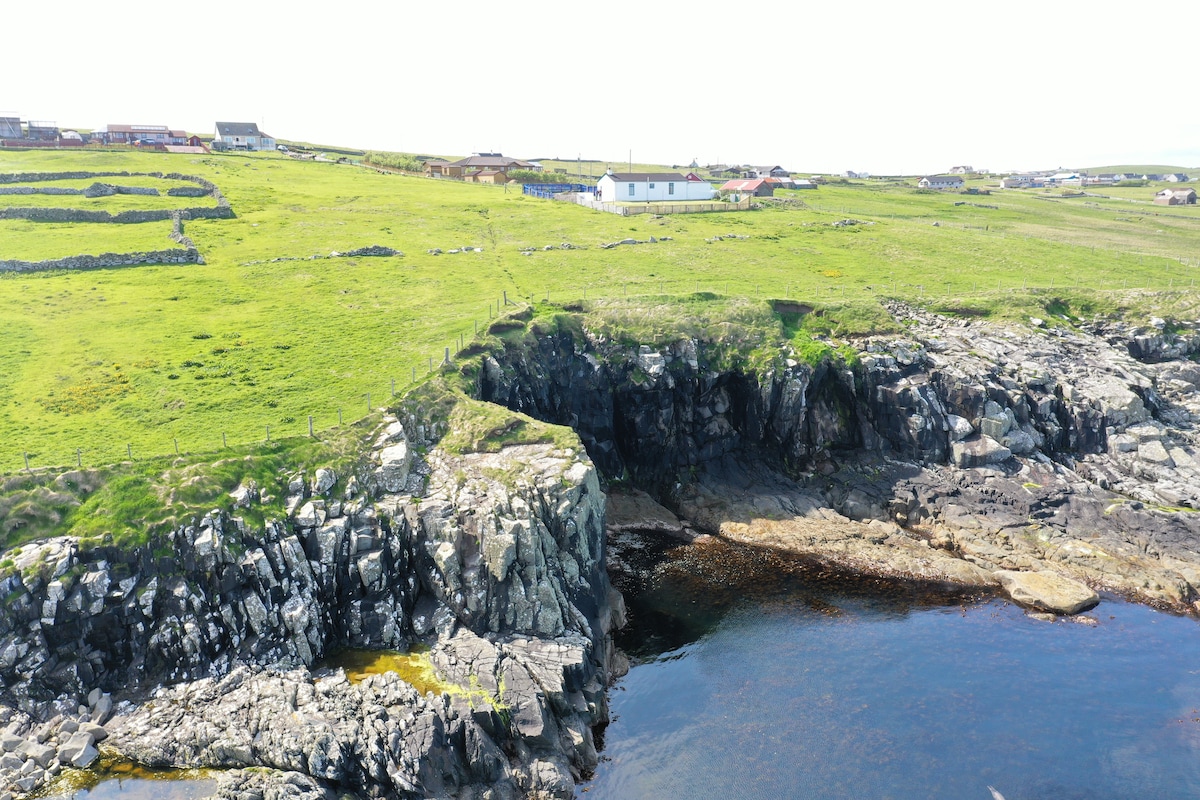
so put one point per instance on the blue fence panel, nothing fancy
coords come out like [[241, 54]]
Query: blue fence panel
[[548, 190]]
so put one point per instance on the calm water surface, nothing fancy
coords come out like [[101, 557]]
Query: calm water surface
[[759, 677]]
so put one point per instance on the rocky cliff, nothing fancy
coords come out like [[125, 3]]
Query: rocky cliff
[[953, 452], [495, 561]]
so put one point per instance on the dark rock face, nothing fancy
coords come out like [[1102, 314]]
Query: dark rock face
[[1019, 446]]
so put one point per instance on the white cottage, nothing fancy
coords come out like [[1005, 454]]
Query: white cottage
[[243, 136], [657, 187], [940, 182]]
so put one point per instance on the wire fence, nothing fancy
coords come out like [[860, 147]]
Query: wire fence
[[353, 408]]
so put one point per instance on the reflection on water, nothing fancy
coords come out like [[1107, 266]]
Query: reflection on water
[[758, 676], [116, 778]]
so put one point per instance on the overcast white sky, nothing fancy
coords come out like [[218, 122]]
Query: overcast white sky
[[885, 87]]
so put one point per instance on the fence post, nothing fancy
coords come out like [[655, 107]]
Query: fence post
[[431, 363], [27, 469], [310, 429], [224, 443], [129, 451], [268, 433], [447, 356], [176, 440], [79, 458], [368, 396], [339, 416], [393, 387]]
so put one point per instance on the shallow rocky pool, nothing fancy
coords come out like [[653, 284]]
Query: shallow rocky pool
[[758, 676]]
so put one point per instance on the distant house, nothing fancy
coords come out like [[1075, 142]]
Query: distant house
[[1064, 179], [645, 187], [775, 171], [1015, 182], [481, 162], [243, 136], [10, 128], [1152, 176], [803, 183], [1176, 177], [433, 167], [940, 182], [1176, 197], [132, 134], [964, 170], [758, 187]]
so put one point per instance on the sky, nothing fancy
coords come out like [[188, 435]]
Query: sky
[[881, 87]]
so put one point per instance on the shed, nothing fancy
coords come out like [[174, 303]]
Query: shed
[[1176, 197]]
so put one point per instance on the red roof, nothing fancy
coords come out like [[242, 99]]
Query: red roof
[[743, 185]]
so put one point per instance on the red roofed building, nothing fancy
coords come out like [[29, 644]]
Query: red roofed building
[[758, 187]]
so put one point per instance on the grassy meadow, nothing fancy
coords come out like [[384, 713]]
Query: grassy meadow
[[144, 360]]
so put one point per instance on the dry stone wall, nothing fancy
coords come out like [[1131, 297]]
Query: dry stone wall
[[188, 255]]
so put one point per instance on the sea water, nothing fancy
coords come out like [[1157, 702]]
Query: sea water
[[757, 675]]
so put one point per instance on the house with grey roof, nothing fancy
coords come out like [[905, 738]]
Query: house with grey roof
[[652, 187], [242, 136]]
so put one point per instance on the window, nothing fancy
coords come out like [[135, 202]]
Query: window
[[631, 190], [670, 188], [652, 186]]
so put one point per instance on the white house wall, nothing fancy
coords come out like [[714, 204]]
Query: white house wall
[[653, 191]]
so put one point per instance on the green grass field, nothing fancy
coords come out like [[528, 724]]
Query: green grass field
[[144, 358]]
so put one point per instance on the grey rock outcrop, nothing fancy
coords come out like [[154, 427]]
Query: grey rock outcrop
[[499, 567]]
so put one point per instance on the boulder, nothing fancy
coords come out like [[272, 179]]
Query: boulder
[[978, 451], [1047, 591]]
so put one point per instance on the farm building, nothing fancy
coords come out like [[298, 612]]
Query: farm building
[[10, 128], [433, 167], [1176, 197], [962, 170], [1176, 177], [243, 136], [758, 187], [645, 187], [940, 182], [42, 131]]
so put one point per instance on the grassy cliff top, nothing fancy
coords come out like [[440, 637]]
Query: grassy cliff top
[[270, 331]]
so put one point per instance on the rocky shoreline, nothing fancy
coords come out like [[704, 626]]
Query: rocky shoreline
[[1044, 463]]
